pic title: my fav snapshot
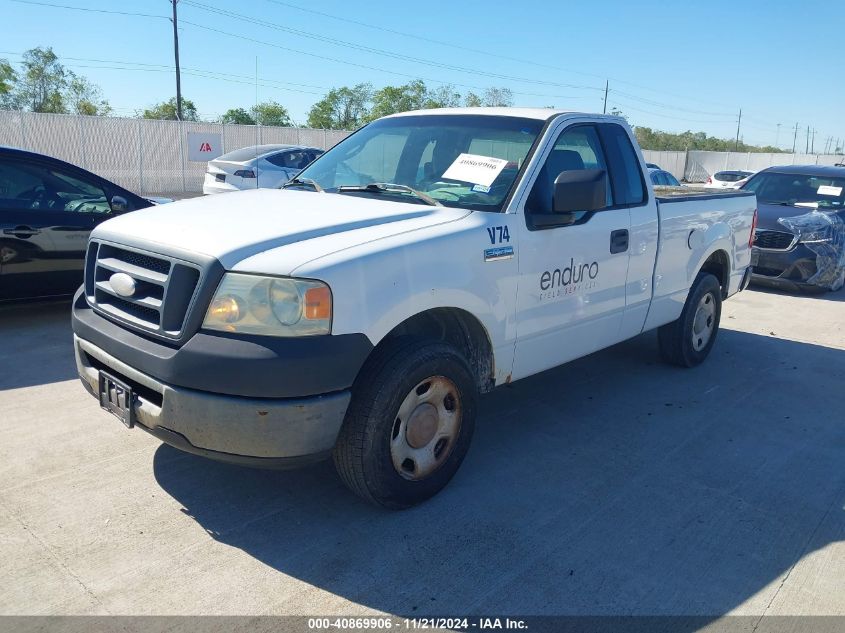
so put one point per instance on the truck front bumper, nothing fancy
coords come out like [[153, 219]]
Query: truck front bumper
[[234, 413], [271, 433]]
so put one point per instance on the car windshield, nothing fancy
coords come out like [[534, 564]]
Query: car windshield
[[731, 176], [467, 161], [253, 151], [798, 189]]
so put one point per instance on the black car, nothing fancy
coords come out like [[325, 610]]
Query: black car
[[47, 210], [800, 240]]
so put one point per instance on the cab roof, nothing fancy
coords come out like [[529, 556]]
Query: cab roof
[[540, 114]]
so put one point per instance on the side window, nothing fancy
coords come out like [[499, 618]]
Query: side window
[[577, 147], [28, 185], [671, 180], [71, 193], [19, 186], [278, 160], [625, 174]]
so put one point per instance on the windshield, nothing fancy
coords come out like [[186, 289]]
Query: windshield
[[469, 161], [798, 190], [731, 176]]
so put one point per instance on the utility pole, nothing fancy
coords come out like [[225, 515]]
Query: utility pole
[[176, 51], [606, 86], [813, 145], [738, 121], [807, 143], [777, 135], [794, 138]]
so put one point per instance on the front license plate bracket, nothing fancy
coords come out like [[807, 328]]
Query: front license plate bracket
[[117, 398]]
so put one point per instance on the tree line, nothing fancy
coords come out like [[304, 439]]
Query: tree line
[[43, 84]]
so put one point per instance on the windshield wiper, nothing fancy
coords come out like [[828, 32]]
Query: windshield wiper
[[390, 187], [303, 181]]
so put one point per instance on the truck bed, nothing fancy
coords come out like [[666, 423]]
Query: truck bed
[[678, 194]]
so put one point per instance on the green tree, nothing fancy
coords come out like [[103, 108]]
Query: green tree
[[166, 110], [43, 82], [342, 108], [392, 99], [443, 97], [8, 79], [271, 113], [237, 115], [83, 97], [670, 141], [472, 100], [498, 97]]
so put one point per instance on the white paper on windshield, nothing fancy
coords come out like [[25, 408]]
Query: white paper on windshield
[[827, 190], [479, 170]]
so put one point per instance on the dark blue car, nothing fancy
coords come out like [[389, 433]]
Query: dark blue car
[[800, 240], [47, 210]]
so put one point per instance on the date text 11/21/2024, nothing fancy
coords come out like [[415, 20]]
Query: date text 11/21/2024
[[432, 623]]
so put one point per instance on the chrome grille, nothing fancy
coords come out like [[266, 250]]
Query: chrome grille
[[774, 240], [164, 287]]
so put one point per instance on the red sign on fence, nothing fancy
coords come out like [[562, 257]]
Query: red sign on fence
[[203, 147]]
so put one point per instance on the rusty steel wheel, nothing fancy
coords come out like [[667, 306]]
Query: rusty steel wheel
[[425, 428]]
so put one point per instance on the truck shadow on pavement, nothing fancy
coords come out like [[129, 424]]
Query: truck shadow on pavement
[[37, 344], [614, 485]]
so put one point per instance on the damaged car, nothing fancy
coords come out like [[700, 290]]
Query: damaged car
[[800, 239]]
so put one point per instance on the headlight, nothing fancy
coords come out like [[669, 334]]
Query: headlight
[[274, 306]]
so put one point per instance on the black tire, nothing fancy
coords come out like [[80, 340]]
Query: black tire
[[362, 454], [677, 345]]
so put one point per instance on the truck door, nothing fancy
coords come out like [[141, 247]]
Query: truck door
[[572, 276]]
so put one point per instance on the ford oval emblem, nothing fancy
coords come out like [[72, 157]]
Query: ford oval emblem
[[122, 284]]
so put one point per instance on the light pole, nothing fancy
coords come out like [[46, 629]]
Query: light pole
[[176, 52]]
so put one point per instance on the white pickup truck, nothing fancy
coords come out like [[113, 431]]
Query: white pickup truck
[[427, 258]]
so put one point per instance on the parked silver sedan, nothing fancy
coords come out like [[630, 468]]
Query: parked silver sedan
[[257, 167]]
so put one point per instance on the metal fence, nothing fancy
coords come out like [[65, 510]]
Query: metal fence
[[150, 156], [142, 155]]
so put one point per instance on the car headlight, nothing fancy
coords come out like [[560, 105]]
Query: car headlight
[[272, 306]]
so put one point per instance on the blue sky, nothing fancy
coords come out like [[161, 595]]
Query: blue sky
[[671, 66]]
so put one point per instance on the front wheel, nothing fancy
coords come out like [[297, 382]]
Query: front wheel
[[688, 341], [409, 423]]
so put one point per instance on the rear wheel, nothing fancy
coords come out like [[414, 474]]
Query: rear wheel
[[409, 423], [688, 341]]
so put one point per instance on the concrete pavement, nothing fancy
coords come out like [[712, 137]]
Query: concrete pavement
[[613, 485]]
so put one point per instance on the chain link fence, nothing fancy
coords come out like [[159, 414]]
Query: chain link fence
[[143, 155], [151, 156]]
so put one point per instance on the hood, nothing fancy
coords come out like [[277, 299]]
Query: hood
[[768, 215], [234, 226]]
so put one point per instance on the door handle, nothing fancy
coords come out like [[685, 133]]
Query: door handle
[[619, 241], [21, 232]]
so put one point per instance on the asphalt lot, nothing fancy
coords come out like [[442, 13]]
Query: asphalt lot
[[613, 485]]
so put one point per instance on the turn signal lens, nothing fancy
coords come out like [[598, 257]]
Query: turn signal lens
[[225, 309], [318, 303]]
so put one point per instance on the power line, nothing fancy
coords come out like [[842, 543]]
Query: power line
[[364, 66], [486, 53], [89, 10], [383, 52], [403, 57]]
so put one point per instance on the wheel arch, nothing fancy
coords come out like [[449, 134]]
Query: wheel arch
[[459, 328], [717, 263]]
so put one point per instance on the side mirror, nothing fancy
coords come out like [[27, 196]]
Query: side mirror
[[580, 190], [119, 204]]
